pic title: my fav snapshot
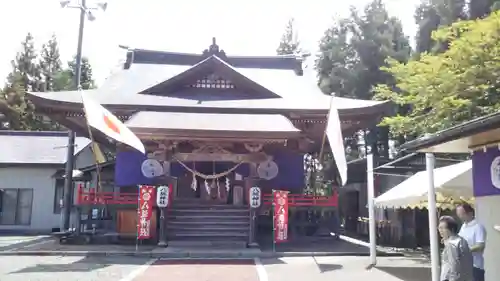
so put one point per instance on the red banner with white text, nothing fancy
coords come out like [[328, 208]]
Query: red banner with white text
[[280, 202], [145, 211]]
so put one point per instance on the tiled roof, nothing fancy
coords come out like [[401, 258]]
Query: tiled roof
[[211, 122], [297, 92], [281, 75], [31, 147]]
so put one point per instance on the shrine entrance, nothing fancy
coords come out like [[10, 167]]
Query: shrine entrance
[[211, 182]]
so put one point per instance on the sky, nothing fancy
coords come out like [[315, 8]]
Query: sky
[[241, 27]]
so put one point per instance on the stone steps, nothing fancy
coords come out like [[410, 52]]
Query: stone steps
[[193, 221]]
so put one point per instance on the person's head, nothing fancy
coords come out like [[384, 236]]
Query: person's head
[[448, 226], [465, 212]]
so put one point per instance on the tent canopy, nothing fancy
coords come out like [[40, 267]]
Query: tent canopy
[[454, 181]]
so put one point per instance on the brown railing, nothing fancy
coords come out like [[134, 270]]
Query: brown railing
[[104, 198], [301, 200], [120, 198]]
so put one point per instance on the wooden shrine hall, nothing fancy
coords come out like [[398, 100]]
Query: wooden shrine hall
[[214, 125]]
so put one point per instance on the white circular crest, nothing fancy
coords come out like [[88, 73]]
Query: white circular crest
[[146, 196], [495, 172], [267, 170], [151, 168]]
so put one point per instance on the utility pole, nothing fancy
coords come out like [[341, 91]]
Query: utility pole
[[70, 157]]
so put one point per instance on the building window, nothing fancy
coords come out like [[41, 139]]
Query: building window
[[58, 195], [16, 206]]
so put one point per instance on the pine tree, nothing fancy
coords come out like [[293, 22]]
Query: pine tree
[[355, 49], [353, 54], [289, 44], [86, 78], [427, 20], [26, 70], [18, 112], [50, 63]]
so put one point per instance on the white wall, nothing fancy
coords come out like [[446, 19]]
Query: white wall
[[43, 185], [488, 213], [41, 180]]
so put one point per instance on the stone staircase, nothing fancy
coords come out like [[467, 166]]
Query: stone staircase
[[192, 222]]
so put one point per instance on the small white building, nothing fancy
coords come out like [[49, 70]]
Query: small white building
[[30, 183]]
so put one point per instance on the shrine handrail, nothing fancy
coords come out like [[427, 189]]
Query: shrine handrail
[[105, 197], [124, 198], [302, 200]]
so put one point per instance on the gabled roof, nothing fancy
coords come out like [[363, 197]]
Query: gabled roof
[[212, 64], [32, 147], [280, 78]]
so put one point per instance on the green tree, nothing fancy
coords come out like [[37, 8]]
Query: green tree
[[354, 49], [18, 113], [427, 20], [445, 89], [26, 70], [289, 44], [480, 8], [352, 54], [50, 63], [337, 61], [86, 80], [63, 81]]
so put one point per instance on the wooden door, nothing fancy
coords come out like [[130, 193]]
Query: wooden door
[[127, 223]]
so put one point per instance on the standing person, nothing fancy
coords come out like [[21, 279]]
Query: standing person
[[475, 234], [456, 259]]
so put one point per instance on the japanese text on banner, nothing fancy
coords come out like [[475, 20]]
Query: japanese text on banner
[[280, 202], [145, 211]]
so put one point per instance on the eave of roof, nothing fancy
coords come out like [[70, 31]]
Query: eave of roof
[[211, 122], [464, 130], [313, 105]]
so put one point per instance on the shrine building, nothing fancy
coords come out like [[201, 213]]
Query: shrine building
[[213, 125]]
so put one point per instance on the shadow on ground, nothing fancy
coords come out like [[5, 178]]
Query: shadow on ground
[[314, 244], [408, 273]]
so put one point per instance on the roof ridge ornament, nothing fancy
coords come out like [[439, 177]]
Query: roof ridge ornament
[[214, 50]]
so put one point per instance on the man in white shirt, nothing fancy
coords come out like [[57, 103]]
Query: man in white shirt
[[475, 234]]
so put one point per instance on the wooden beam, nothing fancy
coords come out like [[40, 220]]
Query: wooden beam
[[81, 129], [222, 157]]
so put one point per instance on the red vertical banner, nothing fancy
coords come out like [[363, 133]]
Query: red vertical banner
[[145, 211], [280, 202]]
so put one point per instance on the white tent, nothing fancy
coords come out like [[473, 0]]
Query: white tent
[[453, 181]]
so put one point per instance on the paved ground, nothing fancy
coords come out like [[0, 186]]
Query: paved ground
[[316, 245], [55, 268], [17, 242]]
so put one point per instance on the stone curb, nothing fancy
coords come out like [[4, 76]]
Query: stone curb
[[191, 255]]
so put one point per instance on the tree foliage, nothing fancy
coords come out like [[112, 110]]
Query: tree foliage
[[433, 14], [17, 111], [448, 88], [86, 76], [354, 49], [36, 72], [289, 44], [50, 63]]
